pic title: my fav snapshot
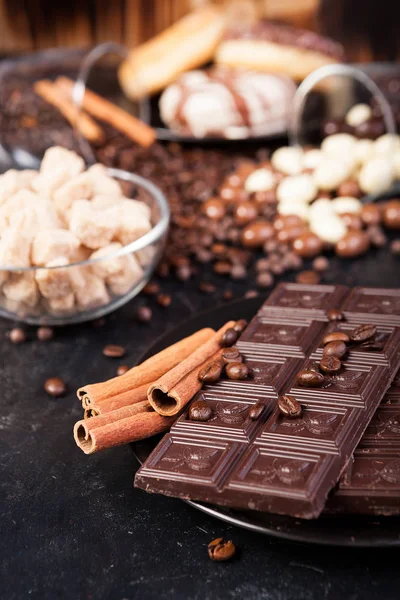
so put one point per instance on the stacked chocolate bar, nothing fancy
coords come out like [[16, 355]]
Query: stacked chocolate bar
[[286, 465]]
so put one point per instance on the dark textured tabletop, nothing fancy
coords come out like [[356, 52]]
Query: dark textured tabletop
[[72, 526]]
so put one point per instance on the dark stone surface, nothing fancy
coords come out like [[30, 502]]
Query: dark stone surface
[[73, 527]]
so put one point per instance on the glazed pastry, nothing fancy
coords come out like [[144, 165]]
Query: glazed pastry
[[274, 48], [189, 43], [230, 103]]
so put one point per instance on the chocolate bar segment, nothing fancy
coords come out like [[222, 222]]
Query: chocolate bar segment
[[277, 464]]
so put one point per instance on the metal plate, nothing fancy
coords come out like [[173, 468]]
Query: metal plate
[[329, 530]]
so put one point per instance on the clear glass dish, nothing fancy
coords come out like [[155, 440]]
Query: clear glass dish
[[133, 264]]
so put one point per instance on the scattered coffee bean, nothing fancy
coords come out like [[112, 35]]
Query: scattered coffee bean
[[222, 267], [238, 272], [395, 247], [308, 277], [211, 372], [321, 263], [114, 351], [245, 212], [264, 279], [251, 294], [256, 410], [144, 314], [183, 273], [330, 364], [230, 337], [151, 289], [334, 314], [227, 295], [236, 370], [240, 325], [122, 369], [372, 345], [45, 334], [309, 378], [289, 407], [17, 335], [336, 336], [164, 300], [99, 323], [200, 411], [207, 287], [231, 355], [214, 209], [55, 387], [219, 550], [363, 333], [337, 348]]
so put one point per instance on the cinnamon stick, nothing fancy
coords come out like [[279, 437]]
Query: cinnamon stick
[[173, 390], [128, 424], [119, 401], [93, 395], [54, 95], [106, 111]]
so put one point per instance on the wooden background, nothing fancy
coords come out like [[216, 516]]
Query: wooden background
[[368, 28]]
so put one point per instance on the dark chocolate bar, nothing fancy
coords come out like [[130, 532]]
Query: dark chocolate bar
[[277, 464], [371, 481]]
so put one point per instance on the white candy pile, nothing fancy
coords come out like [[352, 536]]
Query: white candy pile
[[61, 215]]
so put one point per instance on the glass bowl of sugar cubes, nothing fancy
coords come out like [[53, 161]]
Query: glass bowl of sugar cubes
[[76, 242]]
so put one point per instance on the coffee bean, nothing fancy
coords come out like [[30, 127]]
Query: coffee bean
[[309, 378], [257, 233], [353, 243], [395, 247], [251, 294], [211, 372], [55, 387], [308, 277], [219, 550], [151, 288], [45, 334], [289, 407], [114, 351], [336, 336], [163, 270], [183, 273], [231, 355], [164, 300], [227, 295], [307, 245], [391, 214], [236, 370], [334, 314], [321, 263], [240, 325], [337, 348], [122, 369], [200, 411], [330, 364], [144, 314], [264, 279], [363, 333], [17, 335], [99, 322], [349, 188], [372, 345], [230, 337], [207, 287], [238, 272], [204, 256], [371, 214], [314, 367], [214, 209], [219, 250], [256, 411]]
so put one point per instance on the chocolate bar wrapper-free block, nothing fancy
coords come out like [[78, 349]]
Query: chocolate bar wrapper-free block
[[276, 464]]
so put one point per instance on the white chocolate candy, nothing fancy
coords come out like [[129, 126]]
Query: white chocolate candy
[[329, 228], [346, 204], [53, 243], [358, 114], [312, 158], [94, 228], [339, 144], [387, 144], [331, 172], [299, 209], [261, 180], [297, 188], [363, 151], [22, 288], [288, 160], [15, 248], [321, 208], [376, 176], [54, 283]]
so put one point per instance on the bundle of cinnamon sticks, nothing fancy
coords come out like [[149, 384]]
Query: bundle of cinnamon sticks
[[146, 400], [59, 94]]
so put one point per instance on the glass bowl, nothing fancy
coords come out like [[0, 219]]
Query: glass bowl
[[90, 288]]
